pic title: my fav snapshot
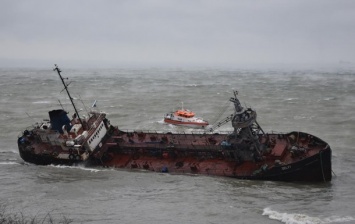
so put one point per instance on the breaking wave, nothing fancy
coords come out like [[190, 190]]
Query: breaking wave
[[293, 218]]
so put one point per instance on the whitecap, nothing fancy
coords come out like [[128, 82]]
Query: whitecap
[[291, 218], [296, 218], [290, 99], [298, 117], [329, 98], [336, 219], [161, 121], [9, 163], [76, 167], [41, 102]]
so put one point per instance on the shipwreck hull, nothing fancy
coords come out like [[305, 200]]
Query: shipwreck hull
[[43, 159], [211, 159], [313, 169], [316, 168]]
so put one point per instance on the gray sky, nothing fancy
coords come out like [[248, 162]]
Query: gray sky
[[176, 32]]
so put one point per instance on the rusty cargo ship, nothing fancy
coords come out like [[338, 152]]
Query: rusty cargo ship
[[247, 152]]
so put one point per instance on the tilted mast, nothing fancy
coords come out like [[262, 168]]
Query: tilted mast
[[66, 89]]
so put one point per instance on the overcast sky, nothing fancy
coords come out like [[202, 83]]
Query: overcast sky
[[176, 32]]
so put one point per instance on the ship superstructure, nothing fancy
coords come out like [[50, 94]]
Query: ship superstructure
[[61, 140]]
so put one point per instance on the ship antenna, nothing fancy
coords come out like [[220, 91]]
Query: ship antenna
[[60, 104], [81, 100], [66, 88], [31, 117]]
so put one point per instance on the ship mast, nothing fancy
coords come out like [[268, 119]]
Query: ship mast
[[66, 89]]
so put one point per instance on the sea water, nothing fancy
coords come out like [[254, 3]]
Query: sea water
[[318, 101]]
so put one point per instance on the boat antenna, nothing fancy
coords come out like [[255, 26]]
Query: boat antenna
[[81, 100], [31, 117], [61, 104], [66, 88]]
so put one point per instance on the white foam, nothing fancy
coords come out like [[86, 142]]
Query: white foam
[[41, 102], [329, 98], [336, 219], [294, 218], [9, 163], [76, 167], [290, 99], [161, 121]]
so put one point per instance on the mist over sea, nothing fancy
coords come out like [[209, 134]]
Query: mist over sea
[[320, 102]]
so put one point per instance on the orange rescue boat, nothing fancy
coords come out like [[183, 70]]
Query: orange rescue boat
[[184, 117]]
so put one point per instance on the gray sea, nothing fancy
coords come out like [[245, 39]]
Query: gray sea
[[317, 101]]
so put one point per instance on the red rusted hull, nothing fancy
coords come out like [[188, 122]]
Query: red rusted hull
[[315, 168], [204, 154]]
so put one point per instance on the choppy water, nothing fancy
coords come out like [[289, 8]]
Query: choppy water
[[314, 101]]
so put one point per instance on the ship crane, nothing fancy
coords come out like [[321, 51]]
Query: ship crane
[[238, 111], [243, 121], [223, 122]]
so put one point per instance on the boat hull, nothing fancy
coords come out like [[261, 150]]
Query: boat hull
[[186, 123], [42, 159], [316, 168]]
